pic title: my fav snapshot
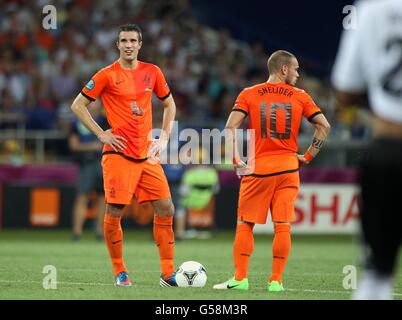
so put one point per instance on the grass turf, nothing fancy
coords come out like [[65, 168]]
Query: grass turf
[[314, 270]]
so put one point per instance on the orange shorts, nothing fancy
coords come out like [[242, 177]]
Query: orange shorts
[[124, 178], [276, 193]]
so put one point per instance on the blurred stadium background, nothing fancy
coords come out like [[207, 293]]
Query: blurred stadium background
[[209, 51]]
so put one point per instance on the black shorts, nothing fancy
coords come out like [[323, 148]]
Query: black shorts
[[381, 191]]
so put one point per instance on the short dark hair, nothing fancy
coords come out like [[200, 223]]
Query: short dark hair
[[278, 59], [130, 27]]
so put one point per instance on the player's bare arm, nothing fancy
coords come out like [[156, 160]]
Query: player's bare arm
[[235, 120], [169, 114], [322, 129], [79, 108]]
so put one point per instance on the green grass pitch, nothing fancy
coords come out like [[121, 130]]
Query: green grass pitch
[[314, 270]]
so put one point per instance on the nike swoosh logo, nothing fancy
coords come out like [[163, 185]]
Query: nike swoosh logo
[[118, 82], [171, 242], [231, 287], [116, 242], [147, 89]]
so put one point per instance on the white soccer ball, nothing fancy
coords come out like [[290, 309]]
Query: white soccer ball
[[191, 274]]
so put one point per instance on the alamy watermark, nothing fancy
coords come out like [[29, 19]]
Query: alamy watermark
[[207, 146], [50, 280], [49, 22], [350, 280], [349, 22]]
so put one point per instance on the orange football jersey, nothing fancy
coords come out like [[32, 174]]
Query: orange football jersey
[[275, 113], [127, 97]]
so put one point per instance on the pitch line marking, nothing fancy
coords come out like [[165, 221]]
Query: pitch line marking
[[111, 284]]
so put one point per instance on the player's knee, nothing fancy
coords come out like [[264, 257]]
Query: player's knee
[[115, 209], [282, 227], [165, 209], [245, 224]]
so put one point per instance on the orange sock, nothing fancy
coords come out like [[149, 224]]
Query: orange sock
[[164, 239], [242, 249], [114, 241], [280, 251]]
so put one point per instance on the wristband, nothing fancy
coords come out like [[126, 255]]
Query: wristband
[[308, 156]]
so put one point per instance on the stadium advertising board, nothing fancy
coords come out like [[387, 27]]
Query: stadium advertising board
[[323, 208]]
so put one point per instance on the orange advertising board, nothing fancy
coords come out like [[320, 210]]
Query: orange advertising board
[[45, 207]]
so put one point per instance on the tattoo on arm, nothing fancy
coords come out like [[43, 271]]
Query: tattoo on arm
[[317, 143]]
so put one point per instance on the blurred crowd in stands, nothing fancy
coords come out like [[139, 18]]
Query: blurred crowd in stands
[[41, 71]]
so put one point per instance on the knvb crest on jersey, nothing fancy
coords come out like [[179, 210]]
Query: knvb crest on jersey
[[137, 111], [147, 81]]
